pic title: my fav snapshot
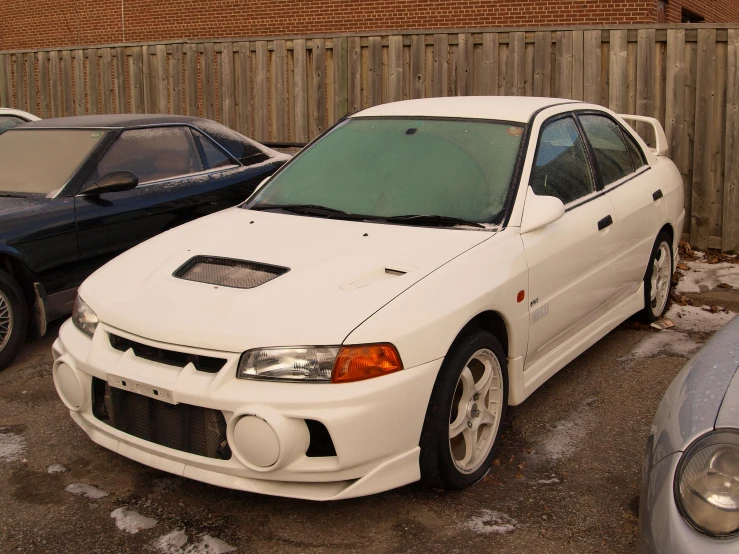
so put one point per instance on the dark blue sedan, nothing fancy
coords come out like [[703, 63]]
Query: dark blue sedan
[[76, 192]]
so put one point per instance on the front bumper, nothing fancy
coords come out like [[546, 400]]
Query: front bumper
[[375, 425]]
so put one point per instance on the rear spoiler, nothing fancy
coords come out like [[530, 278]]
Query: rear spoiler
[[661, 148]]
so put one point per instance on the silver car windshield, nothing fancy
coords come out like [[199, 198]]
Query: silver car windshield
[[395, 167], [40, 161]]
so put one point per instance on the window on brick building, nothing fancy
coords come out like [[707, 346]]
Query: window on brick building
[[691, 17]]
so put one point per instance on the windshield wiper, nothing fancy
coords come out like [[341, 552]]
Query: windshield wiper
[[432, 220], [306, 209]]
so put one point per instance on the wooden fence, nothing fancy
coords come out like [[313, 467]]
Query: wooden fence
[[291, 89]]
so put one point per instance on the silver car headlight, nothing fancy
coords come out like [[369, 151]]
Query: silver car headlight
[[707, 484], [84, 318]]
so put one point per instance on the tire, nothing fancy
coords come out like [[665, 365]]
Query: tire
[[13, 319], [444, 457], [657, 279]]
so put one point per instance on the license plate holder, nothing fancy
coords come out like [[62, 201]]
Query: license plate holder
[[151, 391]]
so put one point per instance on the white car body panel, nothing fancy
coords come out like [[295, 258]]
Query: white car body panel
[[19, 113], [578, 283]]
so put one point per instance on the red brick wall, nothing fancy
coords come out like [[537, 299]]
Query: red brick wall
[[41, 23]]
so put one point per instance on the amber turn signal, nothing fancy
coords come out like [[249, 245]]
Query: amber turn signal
[[357, 363]]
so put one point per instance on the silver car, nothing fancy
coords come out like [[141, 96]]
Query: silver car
[[690, 480]]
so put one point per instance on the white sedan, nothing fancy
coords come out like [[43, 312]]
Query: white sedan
[[10, 118], [366, 317]]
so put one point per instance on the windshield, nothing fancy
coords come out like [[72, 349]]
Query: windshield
[[395, 167], [40, 161]]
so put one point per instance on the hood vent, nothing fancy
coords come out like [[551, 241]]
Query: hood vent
[[227, 272]]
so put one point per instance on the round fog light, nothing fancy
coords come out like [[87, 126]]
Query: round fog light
[[68, 386], [256, 441]]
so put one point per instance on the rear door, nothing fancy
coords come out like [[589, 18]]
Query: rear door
[[182, 176]]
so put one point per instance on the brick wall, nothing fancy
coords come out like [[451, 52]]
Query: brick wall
[[41, 23]]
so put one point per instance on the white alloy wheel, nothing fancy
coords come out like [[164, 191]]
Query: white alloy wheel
[[476, 411], [6, 320], [661, 276]]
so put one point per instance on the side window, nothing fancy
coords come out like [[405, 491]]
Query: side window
[[561, 168], [213, 157], [151, 154], [637, 155], [611, 154], [8, 122]]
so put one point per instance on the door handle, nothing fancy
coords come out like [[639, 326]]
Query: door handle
[[605, 222], [657, 194]]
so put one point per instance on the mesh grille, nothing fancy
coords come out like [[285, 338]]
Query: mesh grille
[[207, 364], [183, 427], [227, 272]]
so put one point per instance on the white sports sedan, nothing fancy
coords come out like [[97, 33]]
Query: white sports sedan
[[366, 317], [10, 118]]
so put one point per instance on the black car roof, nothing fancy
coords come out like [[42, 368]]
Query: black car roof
[[116, 121]]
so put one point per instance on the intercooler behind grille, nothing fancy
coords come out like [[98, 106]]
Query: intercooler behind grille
[[182, 427], [226, 272]]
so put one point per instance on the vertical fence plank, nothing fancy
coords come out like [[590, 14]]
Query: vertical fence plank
[[675, 98], [175, 81], [137, 80], [242, 88], [191, 80], [92, 81], [341, 77], [161, 87], [319, 87], [301, 90], [441, 67], [578, 65], [226, 85], [730, 224], [702, 176], [716, 144], [395, 68], [592, 67], [465, 64], [121, 81], [6, 90], [618, 79], [542, 63], [209, 80], [106, 81], [20, 89], [279, 107], [516, 68], [79, 82], [645, 58], [31, 83], [67, 91], [261, 96], [147, 80], [355, 74], [43, 84], [374, 68], [564, 64], [418, 66], [489, 80], [56, 102], [529, 70]]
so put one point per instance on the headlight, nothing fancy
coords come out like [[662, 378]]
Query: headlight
[[320, 363], [84, 318], [707, 484]]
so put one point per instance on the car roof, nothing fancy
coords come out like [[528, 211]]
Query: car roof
[[503, 108], [116, 121]]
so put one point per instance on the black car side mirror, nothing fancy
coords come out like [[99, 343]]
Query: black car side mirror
[[115, 181]]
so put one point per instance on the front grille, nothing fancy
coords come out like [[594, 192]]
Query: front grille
[[206, 364], [183, 427], [226, 272]]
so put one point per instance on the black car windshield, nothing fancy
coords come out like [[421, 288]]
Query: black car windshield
[[40, 161], [393, 167]]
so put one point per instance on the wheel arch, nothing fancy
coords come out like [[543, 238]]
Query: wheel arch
[[18, 271], [492, 322]]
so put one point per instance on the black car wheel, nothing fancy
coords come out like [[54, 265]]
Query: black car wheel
[[13, 319]]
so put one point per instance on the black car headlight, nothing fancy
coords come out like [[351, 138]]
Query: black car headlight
[[707, 484]]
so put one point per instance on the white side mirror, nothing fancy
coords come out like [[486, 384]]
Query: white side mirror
[[539, 211]]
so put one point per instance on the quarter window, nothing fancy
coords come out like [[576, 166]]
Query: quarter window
[[637, 156], [152, 154], [561, 168], [611, 153], [213, 157]]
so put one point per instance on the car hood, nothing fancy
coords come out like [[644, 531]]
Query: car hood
[[340, 273]]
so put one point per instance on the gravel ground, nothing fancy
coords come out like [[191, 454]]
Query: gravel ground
[[566, 479]]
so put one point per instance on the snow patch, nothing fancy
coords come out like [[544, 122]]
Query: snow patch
[[702, 277], [130, 521], [176, 542], [694, 318], [489, 522], [57, 468], [665, 343], [551, 481], [12, 446], [88, 491]]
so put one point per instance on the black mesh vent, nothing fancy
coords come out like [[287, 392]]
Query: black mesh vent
[[226, 272], [320, 440], [182, 427], [169, 357]]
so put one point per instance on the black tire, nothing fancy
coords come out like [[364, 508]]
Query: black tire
[[13, 306], [438, 468], [652, 311]]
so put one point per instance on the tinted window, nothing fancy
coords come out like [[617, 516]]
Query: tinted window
[[637, 156], [611, 154], [393, 167], [151, 154], [561, 168], [213, 157], [9, 121]]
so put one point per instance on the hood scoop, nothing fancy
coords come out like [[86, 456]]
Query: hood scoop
[[227, 272]]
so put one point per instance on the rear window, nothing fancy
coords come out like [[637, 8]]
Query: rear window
[[40, 161]]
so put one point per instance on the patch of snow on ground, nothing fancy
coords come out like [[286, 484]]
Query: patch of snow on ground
[[551, 481], [57, 468], [702, 277], [694, 318], [130, 521], [83, 489], [490, 522], [665, 343], [176, 542], [12, 446], [566, 434]]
